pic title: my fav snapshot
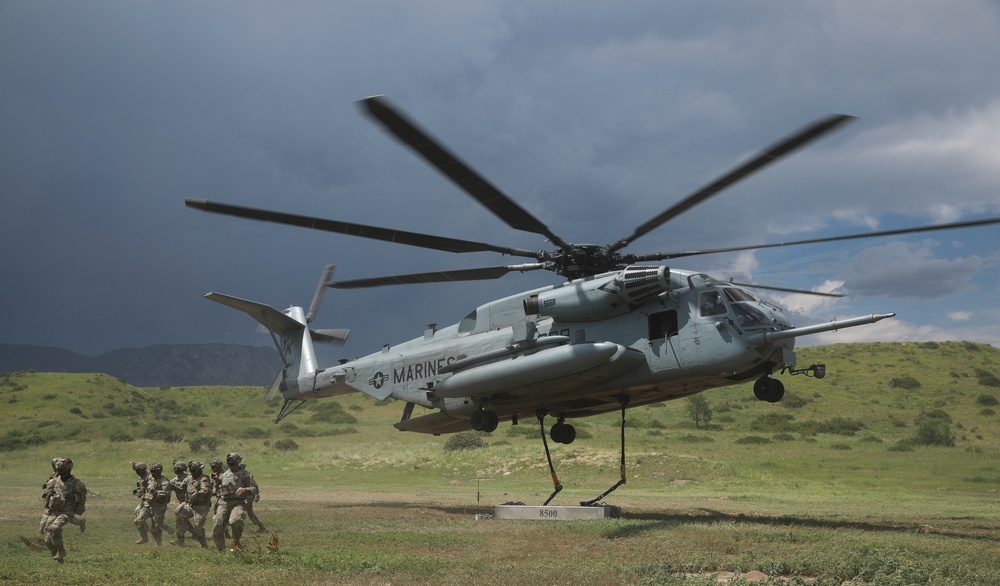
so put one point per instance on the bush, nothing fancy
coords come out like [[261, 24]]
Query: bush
[[286, 444], [155, 431], [987, 401], [332, 412], [904, 382], [76, 411], [204, 442], [467, 440], [752, 440], [253, 433], [934, 432], [987, 378]]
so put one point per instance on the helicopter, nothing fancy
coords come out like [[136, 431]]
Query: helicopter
[[620, 332]]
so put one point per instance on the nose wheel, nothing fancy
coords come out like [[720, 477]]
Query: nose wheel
[[768, 389]]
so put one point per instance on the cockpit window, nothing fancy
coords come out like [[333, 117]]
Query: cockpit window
[[711, 303], [734, 295], [743, 302], [749, 316]]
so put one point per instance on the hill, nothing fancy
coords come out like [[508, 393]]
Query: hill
[[836, 484], [154, 366]]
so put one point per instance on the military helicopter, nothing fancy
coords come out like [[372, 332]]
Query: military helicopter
[[620, 332]]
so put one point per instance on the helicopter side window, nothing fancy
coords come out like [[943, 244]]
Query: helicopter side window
[[711, 304], [663, 324]]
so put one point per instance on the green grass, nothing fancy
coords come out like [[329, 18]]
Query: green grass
[[830, 498]]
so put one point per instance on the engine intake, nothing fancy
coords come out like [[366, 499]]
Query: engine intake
[[602, 296]]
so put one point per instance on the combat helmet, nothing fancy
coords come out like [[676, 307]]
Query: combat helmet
[[156, 467], [196, 466], [179, 466], [62, 464], [233, 459]]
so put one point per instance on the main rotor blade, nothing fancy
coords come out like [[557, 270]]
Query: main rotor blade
[[899, 232], [763, 159], [361, 230], [461, 174], [785, 290], [479, 274]]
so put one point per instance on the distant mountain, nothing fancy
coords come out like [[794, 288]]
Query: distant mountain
[[155, 366]]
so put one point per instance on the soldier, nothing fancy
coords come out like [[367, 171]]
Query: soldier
[[199, 498], [142, 471], [256, 497], [183, 513], [65, 496], [154, 506], [238, 486], [216, 465], [79, 522]]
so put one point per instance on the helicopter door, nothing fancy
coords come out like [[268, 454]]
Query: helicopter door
[[663, 330]]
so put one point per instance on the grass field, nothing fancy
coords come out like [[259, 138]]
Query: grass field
[[845, 482]]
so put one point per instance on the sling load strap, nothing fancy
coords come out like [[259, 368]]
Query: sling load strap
[[548, 456], [624, 403]]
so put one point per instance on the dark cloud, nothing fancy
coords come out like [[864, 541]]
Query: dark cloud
[[594, 119]]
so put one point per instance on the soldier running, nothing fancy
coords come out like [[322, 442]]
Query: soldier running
[[238, 486], [154, 506], [65, 496], [183, 513], [199, 498]]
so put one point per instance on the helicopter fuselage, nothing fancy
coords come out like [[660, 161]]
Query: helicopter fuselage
[[646, 333]]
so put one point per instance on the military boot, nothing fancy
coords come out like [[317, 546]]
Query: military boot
[[203, 542], [237, 546], [83, 525], [179, 542], [60, 554], [143, 536]]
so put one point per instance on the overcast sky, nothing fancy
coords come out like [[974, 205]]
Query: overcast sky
[[595, 117]]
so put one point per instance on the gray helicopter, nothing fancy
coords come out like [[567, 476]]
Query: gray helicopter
[[620, 332]]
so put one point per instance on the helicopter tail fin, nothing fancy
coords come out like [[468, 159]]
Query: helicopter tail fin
[[291, 337]]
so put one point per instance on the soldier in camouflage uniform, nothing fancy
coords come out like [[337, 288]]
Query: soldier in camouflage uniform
[[199, 497], [79, 522], [154, 506], [256, 498], [238, 486], [216, 465], [183, 513], [65, 496]]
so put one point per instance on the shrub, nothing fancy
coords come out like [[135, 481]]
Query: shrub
[[987, 378], [75, 411], [155, 431], [286, 444], [332, 413], [204, 442], [934, 432], [253, 433], [987, 401], [466, 440], [751, 440], [904, 382], [695, 439]]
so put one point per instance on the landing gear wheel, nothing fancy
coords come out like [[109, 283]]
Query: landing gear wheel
[[769, 389], [483, 420], [492, 421], [562, 433]]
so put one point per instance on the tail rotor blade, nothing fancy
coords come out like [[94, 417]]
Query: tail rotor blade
[[275, 386], [320, 291]]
